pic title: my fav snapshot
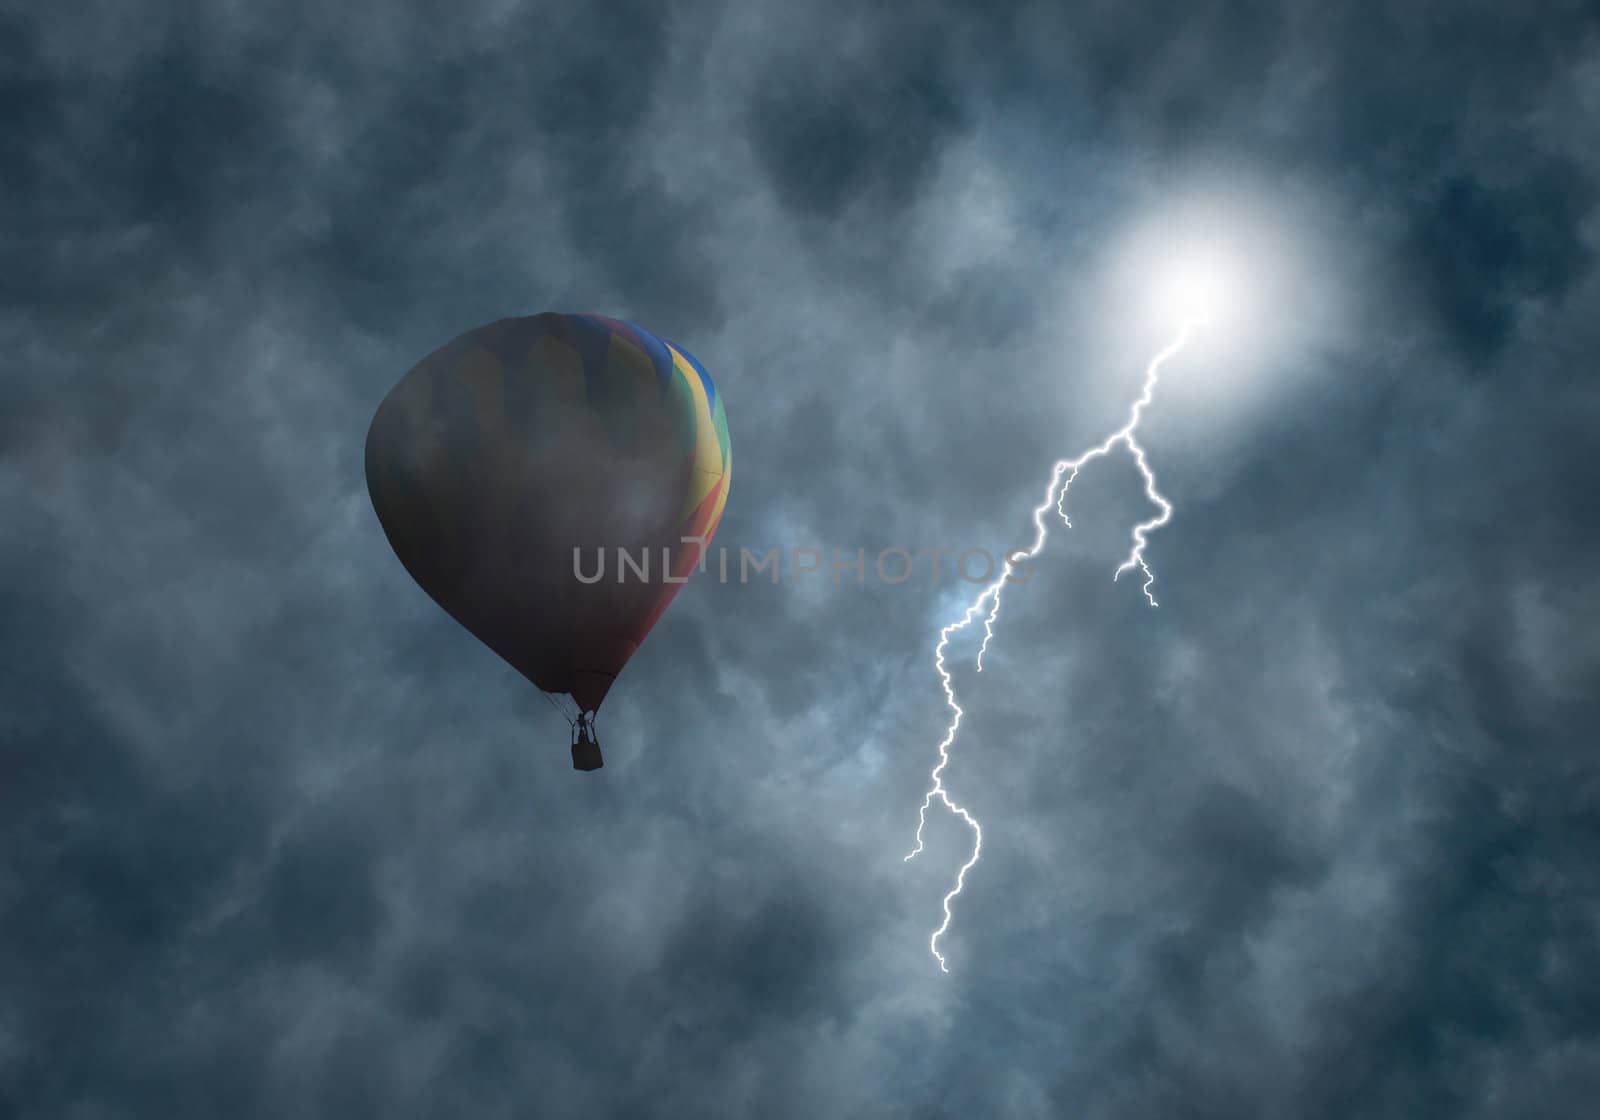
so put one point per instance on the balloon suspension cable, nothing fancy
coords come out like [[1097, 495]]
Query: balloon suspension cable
[[571, 722]]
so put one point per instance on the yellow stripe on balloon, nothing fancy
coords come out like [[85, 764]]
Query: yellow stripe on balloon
[[700, 484], [707, 448], [716, 510]]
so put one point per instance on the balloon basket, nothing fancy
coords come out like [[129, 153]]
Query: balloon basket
[[586, 755]]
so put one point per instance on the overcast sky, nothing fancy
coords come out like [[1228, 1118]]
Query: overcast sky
[[1319, 837]]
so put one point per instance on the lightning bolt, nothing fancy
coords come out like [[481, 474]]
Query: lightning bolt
[[1055, 495]]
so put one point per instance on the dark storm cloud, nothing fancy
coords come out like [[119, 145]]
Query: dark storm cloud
[[1314, 839], [573, 84], [824, 152], [1483, 250]]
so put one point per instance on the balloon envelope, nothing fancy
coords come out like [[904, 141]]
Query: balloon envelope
[[529, 449]]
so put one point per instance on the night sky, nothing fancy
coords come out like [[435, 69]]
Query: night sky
[[1319, 837]]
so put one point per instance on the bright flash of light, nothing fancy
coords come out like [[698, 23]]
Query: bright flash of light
[[1199, 287], [1061, 477]]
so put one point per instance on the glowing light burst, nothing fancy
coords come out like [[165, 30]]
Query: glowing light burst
[[1055, 495]]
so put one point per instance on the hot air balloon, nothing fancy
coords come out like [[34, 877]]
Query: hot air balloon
[[510, 463]]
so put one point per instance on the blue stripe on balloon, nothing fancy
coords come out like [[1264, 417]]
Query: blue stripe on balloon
[[660, 356]]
